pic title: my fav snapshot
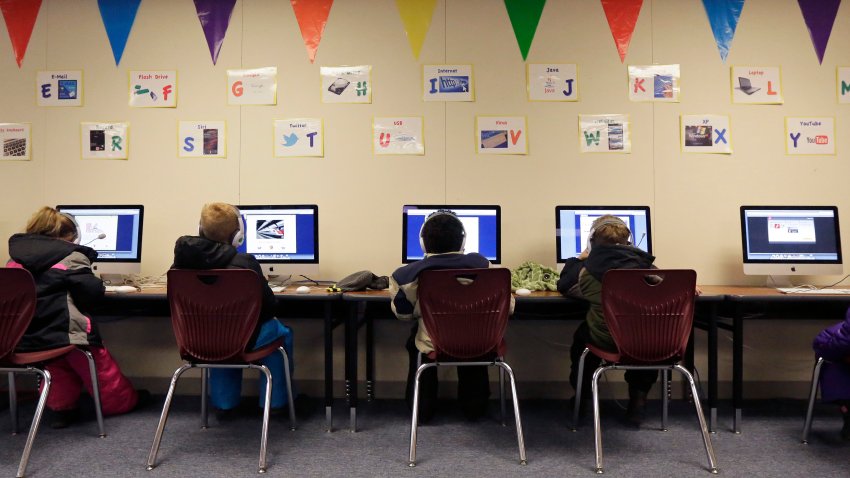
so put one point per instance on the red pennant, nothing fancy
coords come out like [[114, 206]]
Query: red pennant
[[622, 18], [312, 15], [20, 18]]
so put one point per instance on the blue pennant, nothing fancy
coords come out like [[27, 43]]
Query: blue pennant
[[118, 17]]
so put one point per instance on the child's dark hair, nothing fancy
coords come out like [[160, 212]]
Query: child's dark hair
[[442, 233]]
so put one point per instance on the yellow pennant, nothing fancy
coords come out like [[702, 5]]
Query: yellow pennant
[[416, 15]]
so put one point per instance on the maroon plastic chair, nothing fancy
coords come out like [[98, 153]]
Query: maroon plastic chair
[[17, 307], [214, 313], [650, 314], [465, 312]]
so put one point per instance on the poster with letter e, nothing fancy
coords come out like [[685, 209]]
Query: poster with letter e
[[604, 134], [501, 135], [657, 83], [59, 88], [448, 83], [202, 139], [810, 135], [105, 140], [705, 134], [16, 142]]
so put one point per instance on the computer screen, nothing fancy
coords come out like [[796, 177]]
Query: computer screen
[[572, 226], [279, 236], [788, 240], [481, 223], [115, 232]]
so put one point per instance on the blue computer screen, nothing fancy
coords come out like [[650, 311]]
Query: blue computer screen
[[281, 234], [481, 223], [573, 226], [115, 232]]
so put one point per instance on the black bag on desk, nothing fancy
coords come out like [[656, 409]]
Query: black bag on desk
[[362, 280]]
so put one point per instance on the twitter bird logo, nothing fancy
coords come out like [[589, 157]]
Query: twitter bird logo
[[290, 139]]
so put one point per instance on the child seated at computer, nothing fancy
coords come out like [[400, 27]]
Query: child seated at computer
[[67, 289], [833, 344], [219, 234], [608, 248], [442, 237]]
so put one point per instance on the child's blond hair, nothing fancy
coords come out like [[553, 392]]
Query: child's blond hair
[[219, 222], [50, 222]]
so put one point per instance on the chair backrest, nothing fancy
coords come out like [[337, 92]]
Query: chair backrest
[[17, 307], [213, 312], [649, 312], [465, 311]]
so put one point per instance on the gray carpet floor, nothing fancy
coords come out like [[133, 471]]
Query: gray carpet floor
[[450, 446]]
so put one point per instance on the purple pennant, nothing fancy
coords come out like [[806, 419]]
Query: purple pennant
[[215, 17], [819, 16]]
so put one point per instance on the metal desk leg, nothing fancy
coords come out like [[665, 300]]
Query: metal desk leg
[[329, 367], [737, 365], [351, 364], [712, 369], [370, 358]]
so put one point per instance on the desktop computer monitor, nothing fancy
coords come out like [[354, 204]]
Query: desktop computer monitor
[[284, 239], [481, 223], [791, 240], [115, 232], [572, 226]]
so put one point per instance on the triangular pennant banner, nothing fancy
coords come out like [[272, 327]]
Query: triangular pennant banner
[[819, 16], [312, 15], [524, 14], [20, 18], [118, 17], [416, 16], [622, 17], [215, 18], [723, 16]]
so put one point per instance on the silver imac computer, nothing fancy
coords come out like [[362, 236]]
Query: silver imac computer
[[779, 241], [284, 239], [115, 232], [481, 223], [572, 226]]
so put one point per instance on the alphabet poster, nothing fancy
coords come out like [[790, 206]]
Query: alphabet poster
[[552, 82], [346, 84], [658, 83], [202, 139], [604, 134], [398, 136], [16, 140], [105, 140], [448, 83], [295, 137], [705, 134], [59, 88], [153, 89], [501, 135], [758, 85], [257, 86], [843, 79], [810, 135]]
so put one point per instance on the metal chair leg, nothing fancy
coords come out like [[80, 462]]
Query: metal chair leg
[[36, 420], [577, 404], [709, 450], [597, 424], [160, 428], [95, 386], [13, 403], [523, 460], [807, 425], [205, 376], [415, 415], [266, 408], [502, 393], [665, 398], [292, 422]]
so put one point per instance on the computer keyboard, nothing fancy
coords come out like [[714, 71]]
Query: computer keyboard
[[120, 289], [797, 290], [14, 147]]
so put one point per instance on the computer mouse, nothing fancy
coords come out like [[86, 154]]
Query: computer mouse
[[523, 291], [303, 290]]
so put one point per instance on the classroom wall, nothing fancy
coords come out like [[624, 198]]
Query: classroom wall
[[694, 198]]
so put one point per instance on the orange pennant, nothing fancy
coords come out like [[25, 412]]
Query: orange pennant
[[20, 18], [312, 15], [622, 17]]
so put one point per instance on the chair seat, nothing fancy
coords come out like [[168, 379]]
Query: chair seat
[[499, 351], [245, 357], [28, 358]]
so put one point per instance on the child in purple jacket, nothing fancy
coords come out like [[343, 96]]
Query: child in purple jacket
[[833, 344]]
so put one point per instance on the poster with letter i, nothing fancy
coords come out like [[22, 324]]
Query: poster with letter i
[[16, 141], [105, 140], [448, 83], [202, 139]]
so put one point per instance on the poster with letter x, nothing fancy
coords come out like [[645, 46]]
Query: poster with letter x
[[706, 134]]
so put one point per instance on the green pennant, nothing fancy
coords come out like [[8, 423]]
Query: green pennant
[[524, 14]]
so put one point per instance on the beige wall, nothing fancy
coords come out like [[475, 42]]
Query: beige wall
[[694, 198]]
